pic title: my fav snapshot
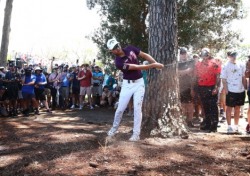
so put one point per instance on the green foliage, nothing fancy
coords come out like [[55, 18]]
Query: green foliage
[[200, 23], [206, 22]]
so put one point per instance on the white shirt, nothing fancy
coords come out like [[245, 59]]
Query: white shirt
[[233, 73]]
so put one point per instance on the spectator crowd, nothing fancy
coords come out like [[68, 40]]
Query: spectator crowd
[[26, 90]]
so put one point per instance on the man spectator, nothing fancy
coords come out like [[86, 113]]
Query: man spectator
[[97, 77], [2, 75], [64, 80], [85, 77], [12, 79], [207, 78], [28, 92], [3, 102], [185, 70], [75, 85], [2, 72], [234, 84], [40, 83], [198, 110], [53, 85]]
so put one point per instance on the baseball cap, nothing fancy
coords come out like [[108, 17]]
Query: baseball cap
[[183, 50], [112, 43], [232, 53], [205, 52], [28, 69], [37, 68]]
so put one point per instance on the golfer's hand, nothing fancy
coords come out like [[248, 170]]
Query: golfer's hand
[[158, 65]]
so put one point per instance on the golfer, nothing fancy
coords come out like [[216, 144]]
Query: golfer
[[133, 84]]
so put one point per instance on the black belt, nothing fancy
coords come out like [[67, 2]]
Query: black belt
[[132, 81]]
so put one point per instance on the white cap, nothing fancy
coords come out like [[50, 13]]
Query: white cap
[[206, 49], [38, 68], [111, 43]]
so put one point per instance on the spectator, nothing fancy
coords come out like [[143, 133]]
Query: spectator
[[28, 93], [85, 77], [221, 97], [106, 98], [234, 83], [207, 78], [47, 90], [97, 77], [2, 76], [3, 101], [185, 70], [145, 74], [40, 83], [2, 72], [110, 82], [247, 74], [198, 110], [53, 85], [12, 79], [75, 84], [64, 80]]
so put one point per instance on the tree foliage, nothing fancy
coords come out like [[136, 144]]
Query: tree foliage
[[200, 23]]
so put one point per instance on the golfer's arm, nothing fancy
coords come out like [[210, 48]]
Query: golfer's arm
[[139, 67], [147, 57]]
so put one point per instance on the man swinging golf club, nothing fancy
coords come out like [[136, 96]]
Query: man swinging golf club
[[127, 61]]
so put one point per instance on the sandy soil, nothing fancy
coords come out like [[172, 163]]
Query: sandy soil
[[74, 143]]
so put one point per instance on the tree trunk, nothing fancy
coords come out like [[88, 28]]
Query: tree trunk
[[161, 111], [6, 32]]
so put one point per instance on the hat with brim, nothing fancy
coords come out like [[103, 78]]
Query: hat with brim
[[112, 43]]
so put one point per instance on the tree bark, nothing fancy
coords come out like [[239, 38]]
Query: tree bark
[[6, 32], [161, 111]]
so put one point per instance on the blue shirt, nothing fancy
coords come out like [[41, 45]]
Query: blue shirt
[[130, 57], [41, 79], [29, 88], [97, 74], [65, 79]]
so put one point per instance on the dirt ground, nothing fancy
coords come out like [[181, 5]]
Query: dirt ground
[[74, 143]]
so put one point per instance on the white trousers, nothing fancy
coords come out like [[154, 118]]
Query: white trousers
[[137, 90]]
